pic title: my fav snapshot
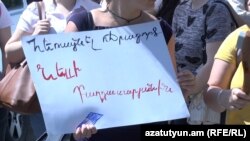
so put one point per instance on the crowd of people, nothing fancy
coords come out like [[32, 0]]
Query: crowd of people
[[201, 37]]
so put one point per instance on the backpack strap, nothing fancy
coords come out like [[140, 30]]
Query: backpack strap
[[235, 18], [229, 10]]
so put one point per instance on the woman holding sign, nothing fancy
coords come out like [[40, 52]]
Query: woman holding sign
[[118, 13], [54, 14]]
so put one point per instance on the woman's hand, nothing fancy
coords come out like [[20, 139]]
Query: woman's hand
[[42, 27], [186, 80], [85, 131], [234, 99]]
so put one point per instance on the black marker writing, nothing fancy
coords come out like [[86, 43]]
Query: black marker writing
[[137, 36], [75, 43]]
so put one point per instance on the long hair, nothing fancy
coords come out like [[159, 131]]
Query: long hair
[[166, 10]]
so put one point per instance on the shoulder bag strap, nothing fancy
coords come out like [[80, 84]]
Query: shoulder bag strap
[[90, 22], [235, 17], [41, 10]]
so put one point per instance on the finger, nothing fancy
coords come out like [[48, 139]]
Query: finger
[[186, 81], [240, 103], [232, 107], [244, 96], [83, 130], [88, 131], [42, 23], [187, 84], [185, 89], [41, 28], [184, 74], [43, 32], [47, 21], [186, 78], [77, 134], [93, 129], [44, 27], [237, 107]]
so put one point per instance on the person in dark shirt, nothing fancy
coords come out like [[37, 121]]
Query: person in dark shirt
[[117, 13], [166, 10]]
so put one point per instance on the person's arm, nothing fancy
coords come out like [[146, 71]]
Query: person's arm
[[192, 84], [220, 78], [171, 48], [77, 21], [28, 24], [5, 34], [218, 27], [13, 48], [71, 27], [203, 73], [218, 97]]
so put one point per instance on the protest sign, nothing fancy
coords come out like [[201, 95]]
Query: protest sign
[[113, 77]]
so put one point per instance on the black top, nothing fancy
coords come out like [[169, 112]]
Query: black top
[[84, 22]]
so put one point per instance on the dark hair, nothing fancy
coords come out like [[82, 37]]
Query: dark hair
[[166, 10], [97, 1]]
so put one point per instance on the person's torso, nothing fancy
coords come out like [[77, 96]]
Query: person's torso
[[190, 27], [228, 53], [239, 116]]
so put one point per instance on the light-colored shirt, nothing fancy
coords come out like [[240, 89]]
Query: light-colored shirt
[[240, 8], [5, 19], [29, 17]]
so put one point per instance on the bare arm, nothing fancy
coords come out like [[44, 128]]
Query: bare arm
[[171, 48], [203, 73], [218, 96], [5, 34], [13, 48], [191, 84], [220, 78], [71, 27]]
